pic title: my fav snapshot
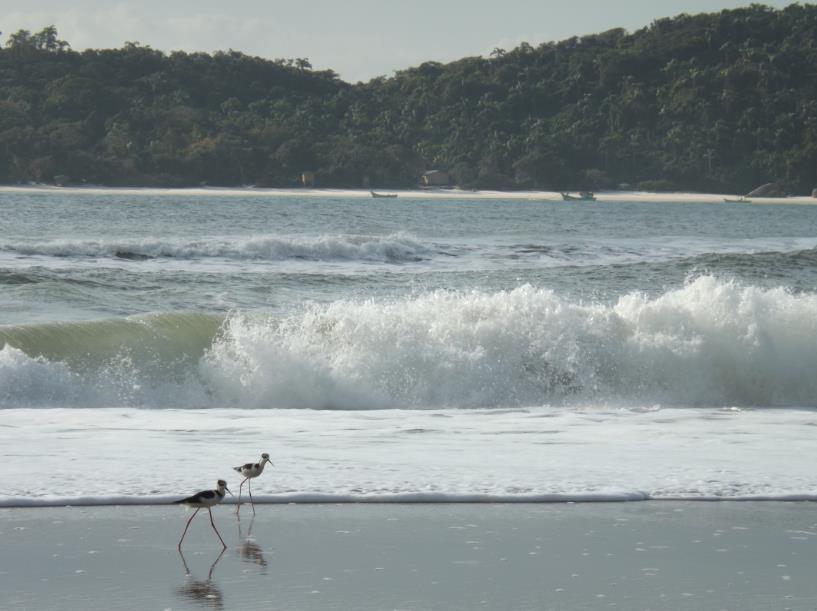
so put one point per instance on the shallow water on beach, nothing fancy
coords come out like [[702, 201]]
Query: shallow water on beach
[[447, 348], [636, 556]]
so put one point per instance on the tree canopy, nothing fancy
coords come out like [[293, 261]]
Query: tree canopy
[[721, 101]]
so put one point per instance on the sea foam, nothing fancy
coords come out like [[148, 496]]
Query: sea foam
[[391, 248], [711, 342], [424, 456]]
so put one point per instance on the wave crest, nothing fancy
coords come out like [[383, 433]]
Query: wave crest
[[143, 360], [708, 343], [393, 248]]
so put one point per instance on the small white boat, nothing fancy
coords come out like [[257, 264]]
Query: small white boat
[[737, 200], [583, 196], [384, 195]]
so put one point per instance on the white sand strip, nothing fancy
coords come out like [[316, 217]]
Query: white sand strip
[[426, 194]]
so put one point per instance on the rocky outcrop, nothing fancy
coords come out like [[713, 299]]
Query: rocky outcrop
[[770, 189]]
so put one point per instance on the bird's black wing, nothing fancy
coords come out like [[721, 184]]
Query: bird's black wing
[[204, 494]]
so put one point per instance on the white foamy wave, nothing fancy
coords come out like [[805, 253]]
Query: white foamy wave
[[546, 454], [393, 248], [711, 342], [27, 381]]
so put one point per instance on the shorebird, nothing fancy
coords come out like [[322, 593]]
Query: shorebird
[[249, 471], [205, 498]]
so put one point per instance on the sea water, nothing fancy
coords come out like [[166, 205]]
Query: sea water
[[409, 349]]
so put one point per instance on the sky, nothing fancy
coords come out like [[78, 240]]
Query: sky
[[358, 39]]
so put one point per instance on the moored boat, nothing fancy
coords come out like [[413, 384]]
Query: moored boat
[[583, 196]]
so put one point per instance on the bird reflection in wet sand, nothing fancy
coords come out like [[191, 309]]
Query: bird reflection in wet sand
[[250, 551], [203, 592]]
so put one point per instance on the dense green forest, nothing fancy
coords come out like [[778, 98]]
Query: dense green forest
[[715, 102]]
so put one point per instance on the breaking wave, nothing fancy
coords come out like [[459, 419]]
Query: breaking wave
[[140, 360], [394, 248], [709, 343]]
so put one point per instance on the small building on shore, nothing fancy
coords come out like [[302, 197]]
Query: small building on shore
[[435, 178]]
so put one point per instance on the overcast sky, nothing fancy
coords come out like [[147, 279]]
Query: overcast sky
[[359, 39]]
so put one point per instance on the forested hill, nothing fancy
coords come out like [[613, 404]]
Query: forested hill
[[716, 102]]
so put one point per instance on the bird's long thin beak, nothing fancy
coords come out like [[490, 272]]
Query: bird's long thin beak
[[228, 490]]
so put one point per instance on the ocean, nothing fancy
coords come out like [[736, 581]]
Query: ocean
[[411, 349]]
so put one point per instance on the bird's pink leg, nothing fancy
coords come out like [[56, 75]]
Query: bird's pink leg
[[238, 505], [216, 529], [188, 526], [249, 489]]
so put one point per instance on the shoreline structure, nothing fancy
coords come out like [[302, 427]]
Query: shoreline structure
[[448, 194]]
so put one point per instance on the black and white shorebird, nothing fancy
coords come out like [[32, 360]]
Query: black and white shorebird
[[205, 498], [249, 471]]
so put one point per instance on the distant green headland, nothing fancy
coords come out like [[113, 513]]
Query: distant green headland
[[717, 102]]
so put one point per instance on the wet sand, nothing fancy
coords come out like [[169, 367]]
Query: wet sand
[[643, 555]]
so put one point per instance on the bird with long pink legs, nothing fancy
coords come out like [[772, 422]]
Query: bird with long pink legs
[[250, 471], [205, 499]]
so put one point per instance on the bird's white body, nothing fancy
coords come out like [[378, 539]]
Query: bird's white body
[[250, 470]]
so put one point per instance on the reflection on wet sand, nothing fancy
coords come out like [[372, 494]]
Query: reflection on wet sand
[[205, 593], [250, 551]]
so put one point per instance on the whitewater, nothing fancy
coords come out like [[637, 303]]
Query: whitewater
[[406, 350]]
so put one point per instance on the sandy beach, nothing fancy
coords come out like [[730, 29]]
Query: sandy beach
[[646, 555], [425, 194]]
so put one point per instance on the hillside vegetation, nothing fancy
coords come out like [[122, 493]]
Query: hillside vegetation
[[721, 101]]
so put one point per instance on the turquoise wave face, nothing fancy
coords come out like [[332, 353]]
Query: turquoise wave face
[[157, 338]]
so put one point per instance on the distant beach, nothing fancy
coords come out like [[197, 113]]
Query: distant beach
[[429, 194]]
